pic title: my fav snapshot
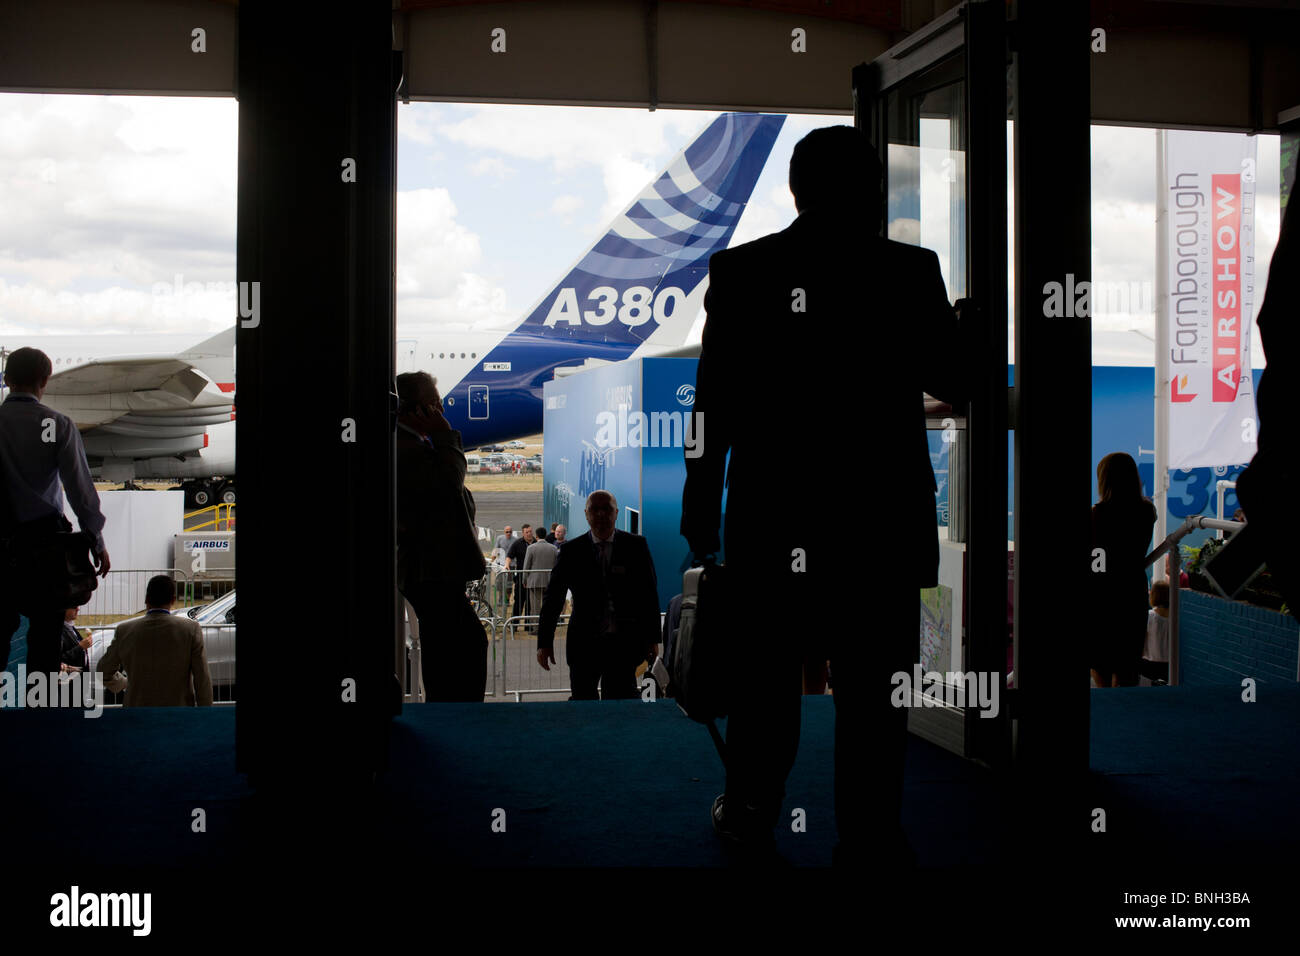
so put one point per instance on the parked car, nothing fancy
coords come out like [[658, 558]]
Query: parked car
[[515, 444], [218, 621]]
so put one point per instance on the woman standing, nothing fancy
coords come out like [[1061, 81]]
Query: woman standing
[[1121, 528]]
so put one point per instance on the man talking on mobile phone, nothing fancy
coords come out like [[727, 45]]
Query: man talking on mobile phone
[[437, 547]]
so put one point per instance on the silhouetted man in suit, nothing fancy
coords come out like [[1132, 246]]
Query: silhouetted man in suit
[[851, 312], [437, 545], [615, 620], [41, 459]]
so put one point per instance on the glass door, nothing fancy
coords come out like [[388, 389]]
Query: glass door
[[916, 102]]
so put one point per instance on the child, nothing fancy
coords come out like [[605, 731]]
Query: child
[[1155, 656]]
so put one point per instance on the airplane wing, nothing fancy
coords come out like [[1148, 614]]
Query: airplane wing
[[146, 406]]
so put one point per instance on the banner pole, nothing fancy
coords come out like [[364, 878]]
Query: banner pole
[[1160, 476]]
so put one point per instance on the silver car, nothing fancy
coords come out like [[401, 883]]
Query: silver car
[[218, 622]]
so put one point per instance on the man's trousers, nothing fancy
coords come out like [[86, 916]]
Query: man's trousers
[[453, 644], [870, 733]]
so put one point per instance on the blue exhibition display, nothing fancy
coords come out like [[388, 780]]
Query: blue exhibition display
[[624, 427]]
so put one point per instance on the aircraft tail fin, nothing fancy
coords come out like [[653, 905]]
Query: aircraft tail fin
[[215, 358], [640, 277]]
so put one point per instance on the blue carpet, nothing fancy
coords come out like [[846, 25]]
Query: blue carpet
[[1184, 774], [616, 783], [1195, 775]]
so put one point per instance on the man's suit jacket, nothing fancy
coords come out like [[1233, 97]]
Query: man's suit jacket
[[538, 559], [436, 539], [630, 583], [161, 654], [70, 650], [862, 327]]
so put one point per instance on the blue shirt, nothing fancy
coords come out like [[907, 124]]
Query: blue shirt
[[41, 449]]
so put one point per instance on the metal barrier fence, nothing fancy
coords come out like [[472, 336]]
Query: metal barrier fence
[[413, 691], [503, 592], [121, 594], [518, 659], [512, 657]]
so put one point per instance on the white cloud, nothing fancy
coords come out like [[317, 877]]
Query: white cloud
[[764, 215], [491, 166], [905, 230], [436, 260], [626, 146], [624, 179], [565, 205], [104, 196], [417, 124]]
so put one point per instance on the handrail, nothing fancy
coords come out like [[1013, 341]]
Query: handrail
[[1169, 545], [217, 519], [1220, 487]]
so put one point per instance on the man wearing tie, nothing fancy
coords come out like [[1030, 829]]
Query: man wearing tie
[[615, 620]]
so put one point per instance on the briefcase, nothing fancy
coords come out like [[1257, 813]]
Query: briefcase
[[703, 663], [51, 571]]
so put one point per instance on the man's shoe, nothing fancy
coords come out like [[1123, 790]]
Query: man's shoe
[[742, 832]]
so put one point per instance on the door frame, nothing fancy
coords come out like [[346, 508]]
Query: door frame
[[976, 32]]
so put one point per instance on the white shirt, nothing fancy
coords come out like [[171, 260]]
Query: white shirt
[[1157, 645]]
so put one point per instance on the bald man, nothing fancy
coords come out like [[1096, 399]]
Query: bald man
[[615, 621]]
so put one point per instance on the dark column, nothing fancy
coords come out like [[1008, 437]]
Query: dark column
[[314, 369], [1053, 410], [987, 739]]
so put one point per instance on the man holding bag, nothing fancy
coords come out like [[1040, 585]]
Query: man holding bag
[[41, 458]]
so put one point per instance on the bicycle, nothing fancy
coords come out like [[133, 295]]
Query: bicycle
[[478, 592]]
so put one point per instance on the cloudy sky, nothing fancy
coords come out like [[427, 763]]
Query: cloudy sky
[[108, 200]]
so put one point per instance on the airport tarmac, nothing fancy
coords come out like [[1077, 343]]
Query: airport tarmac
[[496, 509]]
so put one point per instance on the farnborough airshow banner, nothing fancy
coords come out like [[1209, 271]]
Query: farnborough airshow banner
[[1210, 238]]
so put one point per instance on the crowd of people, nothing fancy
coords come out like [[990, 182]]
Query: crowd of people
[[520, 566]]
